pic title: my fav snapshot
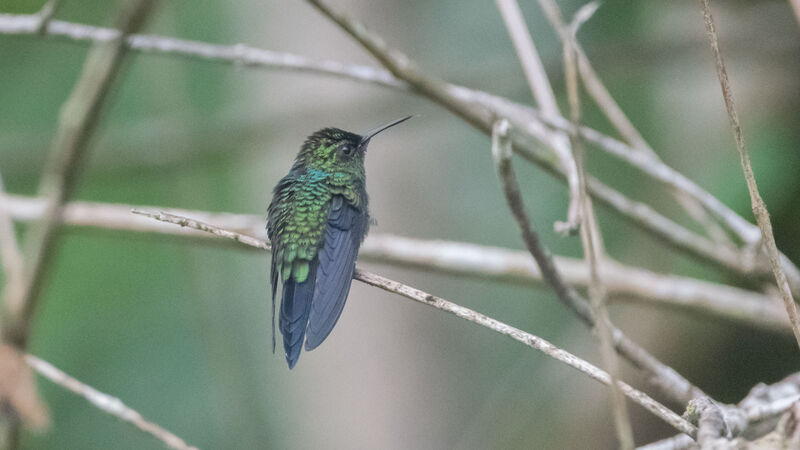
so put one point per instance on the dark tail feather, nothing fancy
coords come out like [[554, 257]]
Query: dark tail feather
[[295, 309], [274, 284]]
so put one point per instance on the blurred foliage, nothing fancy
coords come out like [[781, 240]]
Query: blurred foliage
[[181, 332]]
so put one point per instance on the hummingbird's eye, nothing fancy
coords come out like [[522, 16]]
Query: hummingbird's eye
[[346, 150]]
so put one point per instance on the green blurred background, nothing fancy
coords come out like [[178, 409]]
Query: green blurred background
[[180, 330]]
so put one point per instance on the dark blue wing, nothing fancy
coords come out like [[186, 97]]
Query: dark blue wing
[[337, 259], [295, 308]]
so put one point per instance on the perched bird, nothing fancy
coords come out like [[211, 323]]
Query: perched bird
[[316, 222]]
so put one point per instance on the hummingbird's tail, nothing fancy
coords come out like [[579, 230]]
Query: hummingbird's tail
[[295, 309]]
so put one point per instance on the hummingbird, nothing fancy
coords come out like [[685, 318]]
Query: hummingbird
[[316, 222]]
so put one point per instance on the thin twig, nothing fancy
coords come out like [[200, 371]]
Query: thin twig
[[78, 119], [415, 294], [613, 112], [591, 237], [663, 376], [106, 403], [501, 150], [522, 117], [759, 208], [625, 283], [546, 99]]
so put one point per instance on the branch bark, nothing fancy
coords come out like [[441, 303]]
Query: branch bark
[[759, 208], [106, 403]]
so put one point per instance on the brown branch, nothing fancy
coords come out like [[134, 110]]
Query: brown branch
[[667, 379], [761, 405], [106, 403], [546, 99], [77, 121], [417, 295], [759, 208], [591, 236]]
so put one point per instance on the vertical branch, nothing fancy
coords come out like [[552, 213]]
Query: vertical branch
[[543, 93], [77, 121], [757, 203], [592, 244]]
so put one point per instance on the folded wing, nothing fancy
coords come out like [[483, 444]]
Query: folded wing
[[337, 258]]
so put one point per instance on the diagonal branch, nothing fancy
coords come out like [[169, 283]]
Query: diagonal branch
[[106, 403], [77, 121], [759, 208], [591, 237], [626, 283], [501, 151], [666, 378], [546, 99], [417, 295]]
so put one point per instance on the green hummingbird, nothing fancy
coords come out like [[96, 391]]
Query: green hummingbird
[[316, 222]]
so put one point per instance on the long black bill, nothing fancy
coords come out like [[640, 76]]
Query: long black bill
[[369, 134]]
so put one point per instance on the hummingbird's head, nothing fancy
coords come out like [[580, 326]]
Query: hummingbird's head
[[334, 150]]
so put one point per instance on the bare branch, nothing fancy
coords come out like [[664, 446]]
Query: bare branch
[[106, 403], [672, 383], [759, 208], [626, 283], [762, 404], [415, 294], [543, 93], [591, 236], [464, 102], [501, 151], [79, 117]]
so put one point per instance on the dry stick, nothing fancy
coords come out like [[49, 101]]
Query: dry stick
[[13, 266], [640, 214], [627, 283], [579, 210], [546, 99], [106, 403], [759, 208], [590, 234], [415, 294], [501, 151], [603, 99], [77, 120], [762, 403]]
